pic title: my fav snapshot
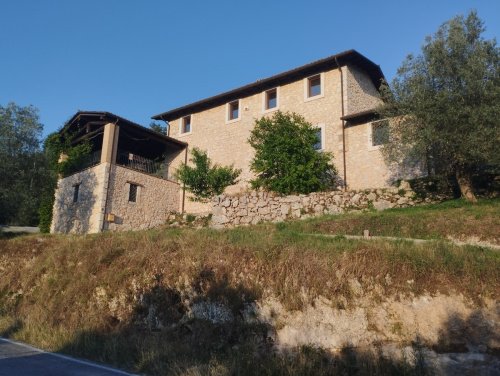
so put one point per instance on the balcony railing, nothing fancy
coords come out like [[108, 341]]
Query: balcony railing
[[86, 161], [92, 159], [157, 168]]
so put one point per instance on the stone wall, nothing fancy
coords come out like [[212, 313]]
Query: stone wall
[[360, 93], [156, 199], [255, 207], [227, 142], [87, 214]]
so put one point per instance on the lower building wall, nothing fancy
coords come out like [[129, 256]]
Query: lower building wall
[[156, 199], [365, 165], [87, 214]]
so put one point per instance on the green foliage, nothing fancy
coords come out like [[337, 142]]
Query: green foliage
[[285, 159], [205, 180], [446, 102], [157, 127], [76, 157], [22, 165]]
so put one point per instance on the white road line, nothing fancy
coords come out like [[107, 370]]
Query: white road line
[[65, 357]]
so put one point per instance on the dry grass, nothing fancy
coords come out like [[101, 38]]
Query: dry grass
[[49, 291]]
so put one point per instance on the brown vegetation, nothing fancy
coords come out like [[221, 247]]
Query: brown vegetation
[[89, 295]]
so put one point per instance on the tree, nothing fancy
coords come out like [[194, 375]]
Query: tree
[[205, 180], [446, 102], [157, 127], [22, 166], [286, 160]]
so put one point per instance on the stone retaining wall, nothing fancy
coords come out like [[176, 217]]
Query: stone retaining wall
[[255, 207]]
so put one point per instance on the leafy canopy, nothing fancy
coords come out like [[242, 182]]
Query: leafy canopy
[[22, 165], [447, 101], [285, 159], [205, 180], [157, 127], [76, 156]]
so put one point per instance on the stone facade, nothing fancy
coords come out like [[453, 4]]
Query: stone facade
[[104, 189], [87, 214], [359, 92], [156, 199], [255, 207], [226, 142]]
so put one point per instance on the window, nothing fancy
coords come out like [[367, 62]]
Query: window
[[76, 192], [186, 124], [319, 145], [314, 86], [271, 99], [233, 110], [380, 132], [132, 193]]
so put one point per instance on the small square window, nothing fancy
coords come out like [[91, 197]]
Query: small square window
[[314, 86], [76, 192], [186, 124], [132, 193], [319, 140], [271, 99], [234, 110], [380, 132]]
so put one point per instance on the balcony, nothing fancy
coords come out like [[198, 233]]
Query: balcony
[[158, 167]]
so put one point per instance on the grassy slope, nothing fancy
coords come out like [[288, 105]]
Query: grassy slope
[[457, 219], [48, 285]]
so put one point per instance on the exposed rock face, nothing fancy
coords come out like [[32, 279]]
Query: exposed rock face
[[448, 333], [255, 207]]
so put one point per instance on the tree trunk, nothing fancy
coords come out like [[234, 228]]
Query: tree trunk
[[465, 184]]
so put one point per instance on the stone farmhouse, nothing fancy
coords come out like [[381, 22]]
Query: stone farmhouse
[[128, 181]]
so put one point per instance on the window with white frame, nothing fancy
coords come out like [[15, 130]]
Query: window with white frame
[[271, 99], [186, 124], [233, 110], [380, 132], [314, 86]]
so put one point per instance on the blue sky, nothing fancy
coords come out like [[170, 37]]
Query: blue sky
[[140, 58]]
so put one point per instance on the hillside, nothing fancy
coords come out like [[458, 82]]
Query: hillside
[[265, 299]]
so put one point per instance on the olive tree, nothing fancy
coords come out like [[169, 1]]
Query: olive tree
[[446, 103]]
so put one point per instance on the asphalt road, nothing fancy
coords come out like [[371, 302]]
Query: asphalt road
[[17, 359], [20, 229]]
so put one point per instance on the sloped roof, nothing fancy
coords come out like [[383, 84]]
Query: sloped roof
[[84, 117], [350, 57]]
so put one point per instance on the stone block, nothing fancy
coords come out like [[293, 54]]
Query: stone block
[[242, 212], [264, 210], [382, 205], [219, 219], [284, 209]]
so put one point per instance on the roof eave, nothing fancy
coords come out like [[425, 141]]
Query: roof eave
[[341, 59], [112, 118]]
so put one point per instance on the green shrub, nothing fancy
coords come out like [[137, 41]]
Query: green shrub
[[205, 180], [286, 160]]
